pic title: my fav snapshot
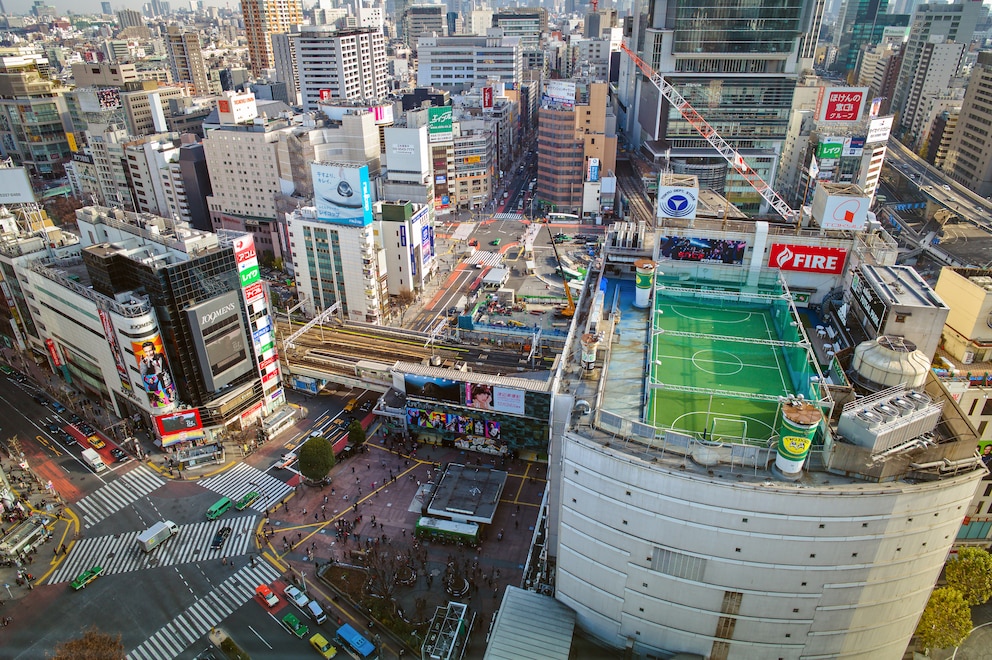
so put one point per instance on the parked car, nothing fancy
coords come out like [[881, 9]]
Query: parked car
[[297, 596], [119, 454], [293, 625], [265, 593]]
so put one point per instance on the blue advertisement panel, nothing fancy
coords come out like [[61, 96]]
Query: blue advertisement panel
[[435, 389], [342, 193], [684, 248]]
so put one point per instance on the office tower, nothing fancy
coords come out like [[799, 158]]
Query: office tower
[[575, 128], [263, 18], [341, 65], [34, 120], [741, 81], [969, 156], [129, 18], [421, 20], [932, 22], [106, 8], [937, 64], [861, 22], [481, 59], [186, 60], [284, 63]]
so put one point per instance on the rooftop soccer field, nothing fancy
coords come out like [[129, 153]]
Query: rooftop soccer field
[[720, 361]]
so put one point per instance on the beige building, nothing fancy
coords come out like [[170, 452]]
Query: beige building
[[969, 158], [103, 74], [186, 60], [138, 110], [263, 18]]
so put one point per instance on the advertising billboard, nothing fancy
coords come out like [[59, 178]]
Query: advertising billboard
[[683, 248], [845, 213], [593, 173], [342, 194], [110, 334], [854, 146], [439, 124], [841, 103], [830, 148], [677, 202], [434, 389], [870, 304], [561, 91], [219, 339], [807, 258], [466, 425], [177, 422], [500, 399], [487, 97], [156, 377], [879, 129], [15, 186]]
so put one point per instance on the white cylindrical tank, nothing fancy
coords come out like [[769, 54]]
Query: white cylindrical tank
[[590, 343], [888, 361], [643, 279]]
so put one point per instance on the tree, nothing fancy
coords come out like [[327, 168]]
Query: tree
[[971, 574], [93, 645], [63, 209], [946, 620], [316, 458], [356, 433]]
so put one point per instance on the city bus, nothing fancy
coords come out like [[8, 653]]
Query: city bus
[[568, 274], [447, 531], [355, 644], [563, 217]]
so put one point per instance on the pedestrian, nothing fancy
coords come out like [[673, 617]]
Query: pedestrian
[[323, 507], [353, 469], [516, 524], [315, 516], [304, 511], [325, 500]]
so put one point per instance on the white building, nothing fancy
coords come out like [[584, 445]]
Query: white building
[[147, 158], [458, 63], [341, 65]]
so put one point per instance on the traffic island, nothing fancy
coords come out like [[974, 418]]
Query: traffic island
[[227, 645]]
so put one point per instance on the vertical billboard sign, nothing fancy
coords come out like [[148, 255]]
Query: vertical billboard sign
[[342, 194], [115, 349], [155, 374], [593, 173], [247, 260], [487, 97]]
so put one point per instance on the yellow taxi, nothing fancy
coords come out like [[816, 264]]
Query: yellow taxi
[[96, 442], [322, 646]]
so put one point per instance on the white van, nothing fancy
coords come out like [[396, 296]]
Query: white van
[[316, 612]]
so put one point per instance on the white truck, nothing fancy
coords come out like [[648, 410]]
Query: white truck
[[93, 460], [153, 537]]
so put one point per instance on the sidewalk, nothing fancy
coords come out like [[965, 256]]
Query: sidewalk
[[374, 501]]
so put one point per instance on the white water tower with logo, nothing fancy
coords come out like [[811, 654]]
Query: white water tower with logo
[[840, 207], [678, 195]]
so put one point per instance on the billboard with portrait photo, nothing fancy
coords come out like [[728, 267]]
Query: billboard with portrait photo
[[156, 378], [500, 399]]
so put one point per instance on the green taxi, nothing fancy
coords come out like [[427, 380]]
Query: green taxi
[[294, 626], [86, 577], [247, 500]]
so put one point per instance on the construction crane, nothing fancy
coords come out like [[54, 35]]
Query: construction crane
[[569, 310], [724, 148]]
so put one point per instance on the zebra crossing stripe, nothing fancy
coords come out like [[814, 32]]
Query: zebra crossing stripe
[[120, 553], [196, 620], [242, 479], [115, 495]]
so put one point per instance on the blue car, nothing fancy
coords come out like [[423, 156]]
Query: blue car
[[58, 407]]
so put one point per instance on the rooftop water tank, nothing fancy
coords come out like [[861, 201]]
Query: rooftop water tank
[[888, 361]]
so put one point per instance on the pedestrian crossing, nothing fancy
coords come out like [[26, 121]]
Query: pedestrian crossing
[[491, 259], [507, 216], [120, 553], [117, 494], [197, 620], [242, 479]]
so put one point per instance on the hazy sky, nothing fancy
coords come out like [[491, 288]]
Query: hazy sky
[[93, 6]]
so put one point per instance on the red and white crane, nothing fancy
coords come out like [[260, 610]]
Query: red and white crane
[[724, 148]]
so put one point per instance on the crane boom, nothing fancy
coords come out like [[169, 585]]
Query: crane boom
[[724, 148]]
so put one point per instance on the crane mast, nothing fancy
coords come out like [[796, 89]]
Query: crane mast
[[724, 148]]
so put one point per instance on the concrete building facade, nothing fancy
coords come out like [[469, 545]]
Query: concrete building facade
[[341, 65]]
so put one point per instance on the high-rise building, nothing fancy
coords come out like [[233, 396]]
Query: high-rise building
[[284, 63], [861, 22], [34, 122], [341, 65], [186, 60], [263, 18], [106, 8], [576, 142], [937, 65], [482, 59], [420, 20], [931, 23], [740, 79], [969, 156]]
